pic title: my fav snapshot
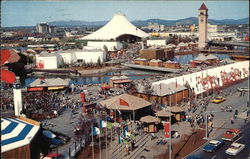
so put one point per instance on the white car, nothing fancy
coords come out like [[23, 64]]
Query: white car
[[235, 148]]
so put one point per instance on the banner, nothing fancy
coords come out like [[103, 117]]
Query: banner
[[82, 97], [167, 130]]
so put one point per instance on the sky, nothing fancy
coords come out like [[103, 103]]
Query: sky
[[31, 12]]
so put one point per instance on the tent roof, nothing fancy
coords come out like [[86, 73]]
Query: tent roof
[[176, 109], [163, 89], [163, 113], [49, 82], [117, 26], [150, 119], [134, 102]]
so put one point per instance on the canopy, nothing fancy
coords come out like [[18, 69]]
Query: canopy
[[163, 113], [116, 27], [125, 102], [150, 119]]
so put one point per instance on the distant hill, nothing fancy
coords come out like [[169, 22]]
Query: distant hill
[[190, 20]]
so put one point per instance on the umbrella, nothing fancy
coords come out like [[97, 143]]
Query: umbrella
[[49, 134]]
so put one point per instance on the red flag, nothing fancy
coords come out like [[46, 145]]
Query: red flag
[[123, 102], [8, 76], [167, 129]]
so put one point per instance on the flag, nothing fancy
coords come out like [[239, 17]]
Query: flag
[[123, 102], [167, 129], [120, 139], [103, 124], [95, 131], [109, 125]]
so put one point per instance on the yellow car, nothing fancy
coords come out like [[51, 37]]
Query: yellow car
[[218, 100]]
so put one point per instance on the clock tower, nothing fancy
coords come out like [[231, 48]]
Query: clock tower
[[203, 17]]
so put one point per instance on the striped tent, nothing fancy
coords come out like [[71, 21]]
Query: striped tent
[[16, 133]]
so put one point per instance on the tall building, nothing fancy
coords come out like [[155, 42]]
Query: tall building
[[203, 17], [42, 28], [45, 28]]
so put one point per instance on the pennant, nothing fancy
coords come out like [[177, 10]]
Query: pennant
[[123, 102]]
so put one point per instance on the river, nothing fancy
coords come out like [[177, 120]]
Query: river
[[133, 73]]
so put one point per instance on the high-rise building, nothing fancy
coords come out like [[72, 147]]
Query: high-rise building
[[42, 28], [45, 28], [203, 20]]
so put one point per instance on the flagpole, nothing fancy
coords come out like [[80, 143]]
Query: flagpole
[[93, 151], [170, 144], [106, 137], [100, 144]]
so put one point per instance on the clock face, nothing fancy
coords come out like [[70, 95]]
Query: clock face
[[202, 19]]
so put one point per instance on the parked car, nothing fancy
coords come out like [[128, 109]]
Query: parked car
[[231, 134], [213, 145], [235, 148], [218, 100], [243, 89], [54, 156], [195, 157]]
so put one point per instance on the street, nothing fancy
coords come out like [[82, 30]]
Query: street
[[222, 123]]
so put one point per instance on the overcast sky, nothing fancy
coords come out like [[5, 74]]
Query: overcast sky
[[29, 13]]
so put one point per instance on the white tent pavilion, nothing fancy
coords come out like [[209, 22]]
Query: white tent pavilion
[[118, 26]]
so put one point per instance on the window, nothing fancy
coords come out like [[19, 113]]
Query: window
[[80, 60]]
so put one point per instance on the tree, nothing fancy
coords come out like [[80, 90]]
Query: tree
[[105, 48], [115, 49], [99, 61]]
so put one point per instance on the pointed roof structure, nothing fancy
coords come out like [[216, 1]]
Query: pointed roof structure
[[203, 7], [119, 25]]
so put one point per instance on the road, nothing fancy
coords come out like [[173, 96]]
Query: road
[[222, 122]]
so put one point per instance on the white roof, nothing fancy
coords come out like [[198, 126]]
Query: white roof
[[49, 82], [16, 133], [163, 89], [117, 26]]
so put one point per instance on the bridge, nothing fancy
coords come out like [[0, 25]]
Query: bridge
[[230, 43]]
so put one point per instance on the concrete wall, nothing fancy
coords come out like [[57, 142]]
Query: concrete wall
[[213, 78], [90, 56], [110, 45]]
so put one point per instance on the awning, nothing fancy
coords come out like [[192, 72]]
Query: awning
[[55, 88], [35, 89]]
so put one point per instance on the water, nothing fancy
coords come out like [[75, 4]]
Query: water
[[84, 80], [25, 81], [185, 59]]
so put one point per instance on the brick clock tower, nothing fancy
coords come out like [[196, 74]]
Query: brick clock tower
[[203, 17]]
